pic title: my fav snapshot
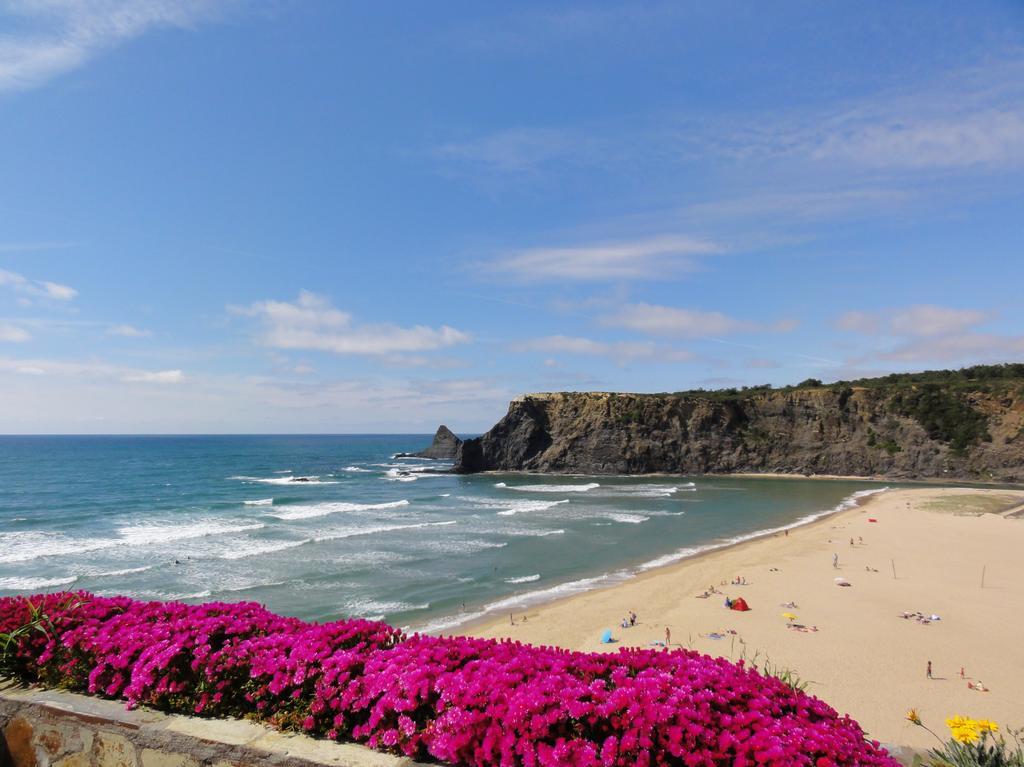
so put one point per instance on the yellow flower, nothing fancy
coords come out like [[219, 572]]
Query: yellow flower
[[913, 716], [986, 725], [965, 735], [963, 729]]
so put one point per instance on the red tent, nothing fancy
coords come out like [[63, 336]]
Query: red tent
[[740, 604]]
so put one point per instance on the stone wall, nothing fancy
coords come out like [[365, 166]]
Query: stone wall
[[50, 728]]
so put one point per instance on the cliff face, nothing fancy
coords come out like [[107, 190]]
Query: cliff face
[[907, 431], [444, 447]]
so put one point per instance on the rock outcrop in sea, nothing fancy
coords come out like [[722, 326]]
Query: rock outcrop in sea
[[443, 448], [952, 425]]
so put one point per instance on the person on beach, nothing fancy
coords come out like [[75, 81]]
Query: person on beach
[[632, 618], [929, 672], [835, 561], [961, 672], [668, 636]]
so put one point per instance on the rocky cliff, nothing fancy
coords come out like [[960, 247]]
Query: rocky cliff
[[444, 447], [905, 429]]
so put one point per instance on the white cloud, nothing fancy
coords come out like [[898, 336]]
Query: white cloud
[[13, 334], [157, 376], [87, 370], [959, 348], [929, 320], [72, 396], [62, 35], [859, 322], [686, 323], [515, 150], [926, 333], [989, 137], [918, 320], [312, 323], [971, 118], [615, 350], [36, 288], [128, 331], [648, 258]]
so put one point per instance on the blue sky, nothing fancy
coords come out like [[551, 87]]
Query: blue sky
[[339, 217]]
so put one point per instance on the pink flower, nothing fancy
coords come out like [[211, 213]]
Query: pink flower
[[460, 700]]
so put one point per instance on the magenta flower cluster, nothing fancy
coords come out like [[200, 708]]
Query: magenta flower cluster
[[458, 700]]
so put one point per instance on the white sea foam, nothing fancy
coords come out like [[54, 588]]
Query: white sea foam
[[372, 609], [247, 586], [17, 583], [411, 473], [631, 519], [352, 532], [458, 546], [307, 480], [323, 509], [242, 550], [24, 546], [355, 469], [525, 507], [260, 502], [114, 573], [550, 488], [555, 592], [146, 534], [536, 533], [524, 579]]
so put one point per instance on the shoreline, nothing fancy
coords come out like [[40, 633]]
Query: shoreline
[[953, 481], [936, 541], [649, 568]]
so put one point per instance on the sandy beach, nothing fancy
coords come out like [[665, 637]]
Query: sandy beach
[[863, 659]]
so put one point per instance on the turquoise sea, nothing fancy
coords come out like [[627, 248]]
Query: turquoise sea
[[328, 526]]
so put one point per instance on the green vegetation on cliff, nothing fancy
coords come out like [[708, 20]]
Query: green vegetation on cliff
[[941, 423]]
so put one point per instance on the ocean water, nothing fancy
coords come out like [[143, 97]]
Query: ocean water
[[322, 527]]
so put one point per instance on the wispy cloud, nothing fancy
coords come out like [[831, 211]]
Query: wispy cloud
[[927, 333], [128, 331], [155, 376], [87, 370], [687, 323], [61, 35], [32, 247], [918, 320], [639, 259], [970, 118], [36, 288], [13, 333], [614, 350], [516, 150], [312, 323]]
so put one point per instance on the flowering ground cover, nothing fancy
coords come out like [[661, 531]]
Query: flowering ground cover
[[458, 700]]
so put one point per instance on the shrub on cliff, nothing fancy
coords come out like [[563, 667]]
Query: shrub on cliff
[[459, 700]]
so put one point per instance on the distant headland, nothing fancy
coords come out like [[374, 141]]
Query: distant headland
[[950, 424]]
